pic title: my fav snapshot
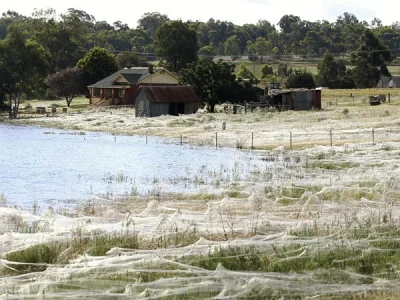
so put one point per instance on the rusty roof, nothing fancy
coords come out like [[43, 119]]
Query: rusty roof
[[169, 93]]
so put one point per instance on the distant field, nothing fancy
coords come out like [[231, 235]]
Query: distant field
[[311, 66]]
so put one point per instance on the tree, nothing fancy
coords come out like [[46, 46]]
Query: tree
[[206, 52], [176, 43], [232, 47], [245, 73], [141, 41], [151, 22], [333, 73], [300, 78], [22, 66], [287, 22], [215, 82], [266, 70], [370, 55], [96, 65], [282, 69], [57, 41], [125, 59], [67, 83], [262, 46], [209, 79], [327, 71]]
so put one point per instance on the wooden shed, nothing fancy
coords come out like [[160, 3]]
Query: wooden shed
[[153, 101], [298, 99]]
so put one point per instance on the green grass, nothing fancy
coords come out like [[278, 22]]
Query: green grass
[[299, 258], [38, 257], [333, 165], [311, 66]]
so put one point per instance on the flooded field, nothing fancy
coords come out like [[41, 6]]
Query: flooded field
[[47, 167], [319, 222]]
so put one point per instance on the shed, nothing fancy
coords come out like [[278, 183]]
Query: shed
[[298, 99], [153, 101]]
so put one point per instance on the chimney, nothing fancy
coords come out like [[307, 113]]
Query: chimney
[[151, 69]]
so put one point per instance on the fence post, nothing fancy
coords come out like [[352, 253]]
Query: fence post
[[373, 135], [331, 138], [181, 140], [291, 148], [389, 97], [216, 140], [146, 138], [252, 140]]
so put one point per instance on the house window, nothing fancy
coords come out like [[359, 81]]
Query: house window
[[120, 93], [96, 93]]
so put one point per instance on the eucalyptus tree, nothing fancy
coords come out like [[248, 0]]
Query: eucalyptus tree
[[23, 63], [176, 44]]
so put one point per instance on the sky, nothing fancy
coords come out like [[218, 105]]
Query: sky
[[237, 11]]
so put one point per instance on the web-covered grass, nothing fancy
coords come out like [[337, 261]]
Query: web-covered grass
[[321, 222]]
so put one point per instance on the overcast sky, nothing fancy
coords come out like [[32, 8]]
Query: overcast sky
[[237, 11]]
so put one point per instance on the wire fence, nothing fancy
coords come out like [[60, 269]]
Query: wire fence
[[290, 140]]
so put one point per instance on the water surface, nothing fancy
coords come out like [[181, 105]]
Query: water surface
[[48, 167]]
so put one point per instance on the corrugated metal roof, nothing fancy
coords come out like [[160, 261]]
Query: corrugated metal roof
[[132, 75], [169, 93]]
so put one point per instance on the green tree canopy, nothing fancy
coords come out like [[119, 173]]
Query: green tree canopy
[[370, 61], [215, 82], [232, 46], [125, 59], [333, 73], [176, 43], [66, 83], [327, 71], [245, 73], [266, 70], [96, 65], [23, 64], [206, 52], [151, 22], [300, 78]]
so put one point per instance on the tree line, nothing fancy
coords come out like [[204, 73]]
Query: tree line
[[59, 45]]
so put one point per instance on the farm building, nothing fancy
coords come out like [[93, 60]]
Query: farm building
[[121, 87], [296, 99], [153, 101], [389, 82]]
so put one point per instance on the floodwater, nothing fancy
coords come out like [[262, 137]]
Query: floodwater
[[49, 167]]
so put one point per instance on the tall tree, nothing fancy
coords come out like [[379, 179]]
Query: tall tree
[[22, 65], [232, 47], [151, 22], [176, 43], [327, 71], [96, 65], [215, 82], [66, 83], [209, 78], [370, 60]]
